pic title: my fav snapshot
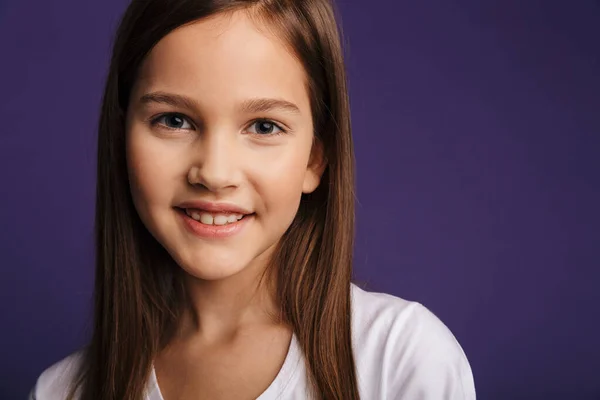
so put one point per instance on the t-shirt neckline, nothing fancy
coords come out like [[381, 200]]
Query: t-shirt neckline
[[282, 380]]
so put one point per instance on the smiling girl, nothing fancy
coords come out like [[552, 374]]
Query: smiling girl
[[225, 218]]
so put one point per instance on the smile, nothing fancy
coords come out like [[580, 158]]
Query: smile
[[210, 225], [208, 218]]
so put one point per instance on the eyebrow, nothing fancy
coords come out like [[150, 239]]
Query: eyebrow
[[253, 105]]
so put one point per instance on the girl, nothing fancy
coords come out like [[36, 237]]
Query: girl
[[224, 222]]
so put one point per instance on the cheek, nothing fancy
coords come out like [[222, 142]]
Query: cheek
[[147, 173], [280, 181]]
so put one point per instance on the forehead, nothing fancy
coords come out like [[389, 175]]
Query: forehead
[[222, 60]]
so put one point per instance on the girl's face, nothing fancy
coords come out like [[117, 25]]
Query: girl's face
[[219, 123]]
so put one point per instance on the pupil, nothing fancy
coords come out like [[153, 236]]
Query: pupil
[[268, 125], [177, 120]]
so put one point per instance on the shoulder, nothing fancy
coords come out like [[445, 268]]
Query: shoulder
[[55, 381], [404, 351]]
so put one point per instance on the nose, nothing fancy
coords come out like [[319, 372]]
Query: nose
[[214, 165]]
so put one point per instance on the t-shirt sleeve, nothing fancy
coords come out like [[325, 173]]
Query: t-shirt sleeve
[[427, 362], [54, 382]]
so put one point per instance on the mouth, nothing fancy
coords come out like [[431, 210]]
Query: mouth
[[213, 218]]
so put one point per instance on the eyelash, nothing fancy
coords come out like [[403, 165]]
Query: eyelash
[[154, 122]]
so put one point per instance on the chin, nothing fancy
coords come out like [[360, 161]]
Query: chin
[[211, 267], [210, 273]]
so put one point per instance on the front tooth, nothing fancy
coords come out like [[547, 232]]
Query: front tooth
[[206, 219], [232, 218], [239, 216], [220, 219]]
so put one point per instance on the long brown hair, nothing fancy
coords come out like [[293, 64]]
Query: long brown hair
[[138, 288]]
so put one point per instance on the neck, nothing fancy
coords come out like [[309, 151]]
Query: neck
[[219, 309]]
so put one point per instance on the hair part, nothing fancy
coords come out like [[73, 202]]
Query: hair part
[[139, 294]]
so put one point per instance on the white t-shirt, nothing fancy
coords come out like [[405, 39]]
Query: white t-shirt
[[402, 352]]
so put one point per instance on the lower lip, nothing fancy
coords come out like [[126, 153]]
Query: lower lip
[[213, 231]]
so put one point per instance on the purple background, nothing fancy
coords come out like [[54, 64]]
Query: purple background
[[477, 140]]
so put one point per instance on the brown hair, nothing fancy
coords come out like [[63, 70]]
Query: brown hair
[[138, 288]]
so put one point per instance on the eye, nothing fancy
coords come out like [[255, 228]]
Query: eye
[[265, 127], [172, 121]]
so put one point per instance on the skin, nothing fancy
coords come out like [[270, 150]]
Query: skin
[[218, 153]]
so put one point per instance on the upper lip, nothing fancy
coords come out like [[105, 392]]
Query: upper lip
[[214, 207]]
